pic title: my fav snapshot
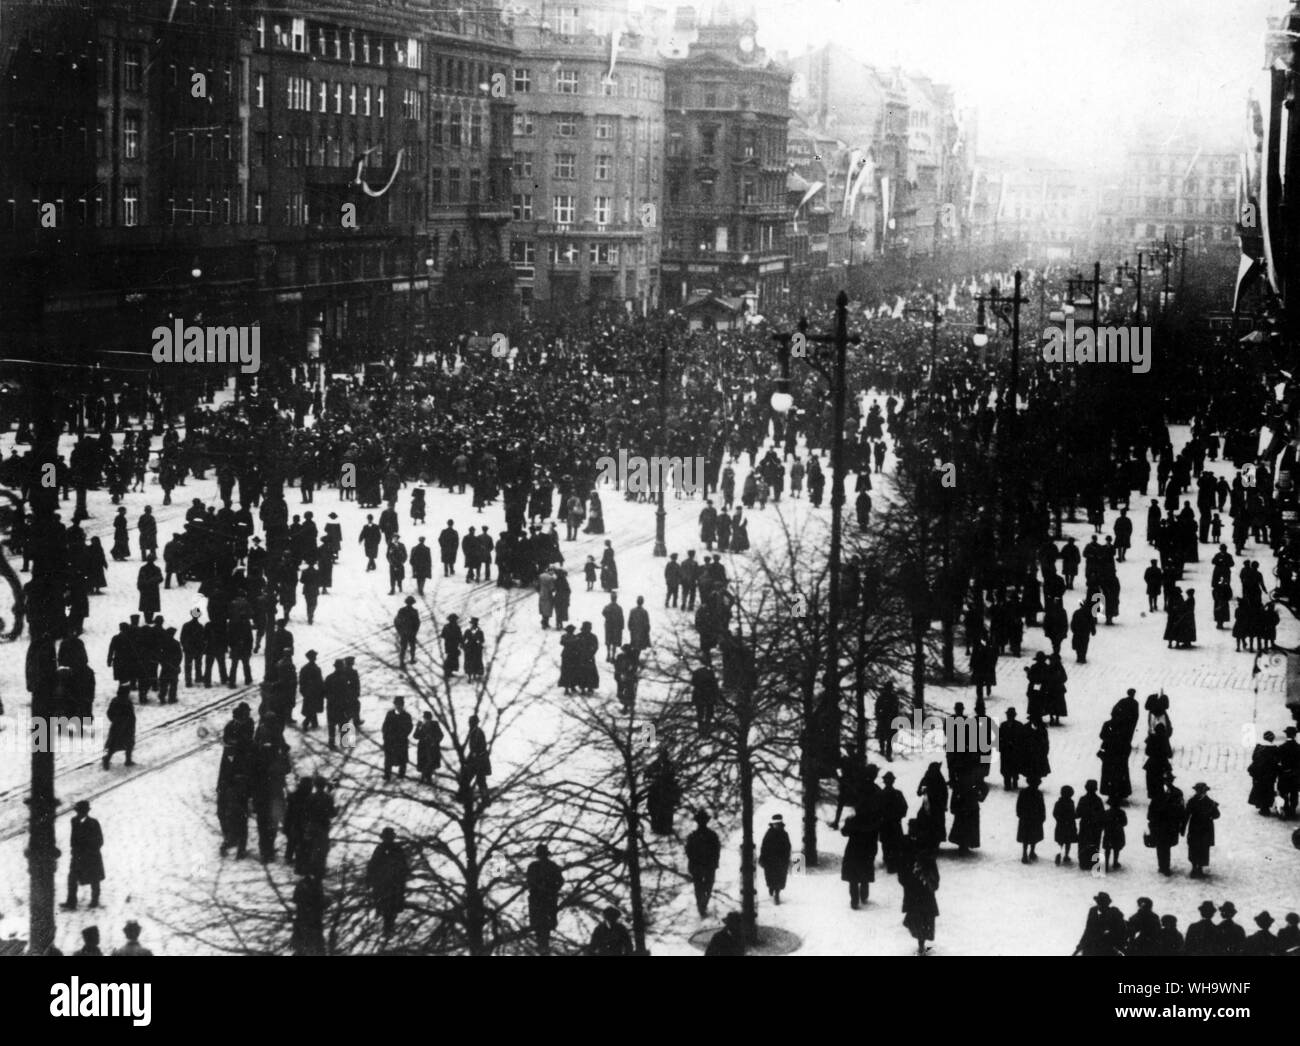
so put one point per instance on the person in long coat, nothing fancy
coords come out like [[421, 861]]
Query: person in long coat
[[87, 865], [1083, 626], [148, 582], [1185, 629], [1202, 812], [1031, 815], [545, 882], [311, 685], [1055, 679], [1105, 932], [1165, 819], [1066, 834], [932, 818], [1055, 625], [428, 747], [858, 868], [965, 833], [608, 569], [587, 647], [397, 728], [774, 857], [121, 537], [983, 668], [121, 726], [1159, 755], [1011, 751], [1263, 775], [546, 597], [893, 809], [1114, 753], [386, 875], [919, 877], [1112, 834], [451, 641], [472, 643]]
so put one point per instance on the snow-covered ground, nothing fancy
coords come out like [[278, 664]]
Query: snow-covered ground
[[157, 821]]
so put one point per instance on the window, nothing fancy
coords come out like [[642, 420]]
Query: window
[[435, 127], [565, 165], [475, 185], [562, 209], [521, 207], [133, 69], [322, 96], [523, 81], [567, 126], [475, 129], [601, 210], [298, 90], [352, 100], [259, 91], [320, 40], [338, 44], [298, 36], [365, 102], [336, 152], [675, 150], [380, 98], [609, 86], [562, 254], [523, 123], [412, 105], [365, 48], [453, 185], [604, 164], [131, 136], [338, 98], [453, 128], [523, 165], [131, 205], [707, 140], [261, 32], [566, 81], [229, 146], [567, 20], [602, 253], [604, 127], [523, 252]]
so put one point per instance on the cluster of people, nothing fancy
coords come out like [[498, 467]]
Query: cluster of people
[[1146, 933]]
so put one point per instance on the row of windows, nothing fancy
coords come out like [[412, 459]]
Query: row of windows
[[567, 125], [524, 253], [719, 96], [300, 92], [348, 45], [452, 128], [571, 81], [464, 186]]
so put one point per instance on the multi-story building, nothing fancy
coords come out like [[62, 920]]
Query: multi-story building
[[1051, 210], [726, 209], [869, 111], [588, 88], [234, 163], [1174, 189]]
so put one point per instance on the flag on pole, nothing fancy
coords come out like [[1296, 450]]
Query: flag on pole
[[813, 190], [613, 52], [1248, 270]]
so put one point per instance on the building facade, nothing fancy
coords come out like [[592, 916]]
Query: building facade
[[237, 163], [588, 90], [726, 209]]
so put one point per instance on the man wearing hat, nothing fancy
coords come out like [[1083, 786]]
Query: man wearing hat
[[1202, 935], [337, 704], [406, 624], [396, 730], [703, 852], [1103, 933], [730, 940], [1166, 817], [192, 647], [1202, 812], [311, 685], [1288, 773], [774, 857], [545, 881], [386, 875], [89, 942], [1229, 937], [610, 937], [87, 865], [893, 810], [1143, 929], [1263, 775], [1262, 941]]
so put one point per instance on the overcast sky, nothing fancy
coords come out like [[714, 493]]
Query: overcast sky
[[1069, 80]]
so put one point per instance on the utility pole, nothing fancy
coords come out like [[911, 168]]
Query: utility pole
[[45, 621], [661, 545], [823, 732]]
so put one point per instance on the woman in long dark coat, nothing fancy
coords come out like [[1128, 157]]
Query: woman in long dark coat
[[1185, 635], [1114, 753], [739, 533], [608, 569], [451, 639], [96, 566], [919, 877], [1056, 678], [121, 536], [932, 818], [570, 659], [1202, 812], [858, 868], [1159, 753], [472, 642], [1031, 815], [587, 646], [774, 857], [148, 581], [965, 808], [1263, 775], [121, 726], [428, 746]]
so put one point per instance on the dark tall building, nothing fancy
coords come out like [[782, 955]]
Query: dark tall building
[[725, 198], [341, 178]]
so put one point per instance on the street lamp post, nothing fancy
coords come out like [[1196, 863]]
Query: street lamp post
[[661, 545], [823, 727], [1007, 311]]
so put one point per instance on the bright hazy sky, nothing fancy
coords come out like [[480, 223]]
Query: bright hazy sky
[[1050, 77]]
